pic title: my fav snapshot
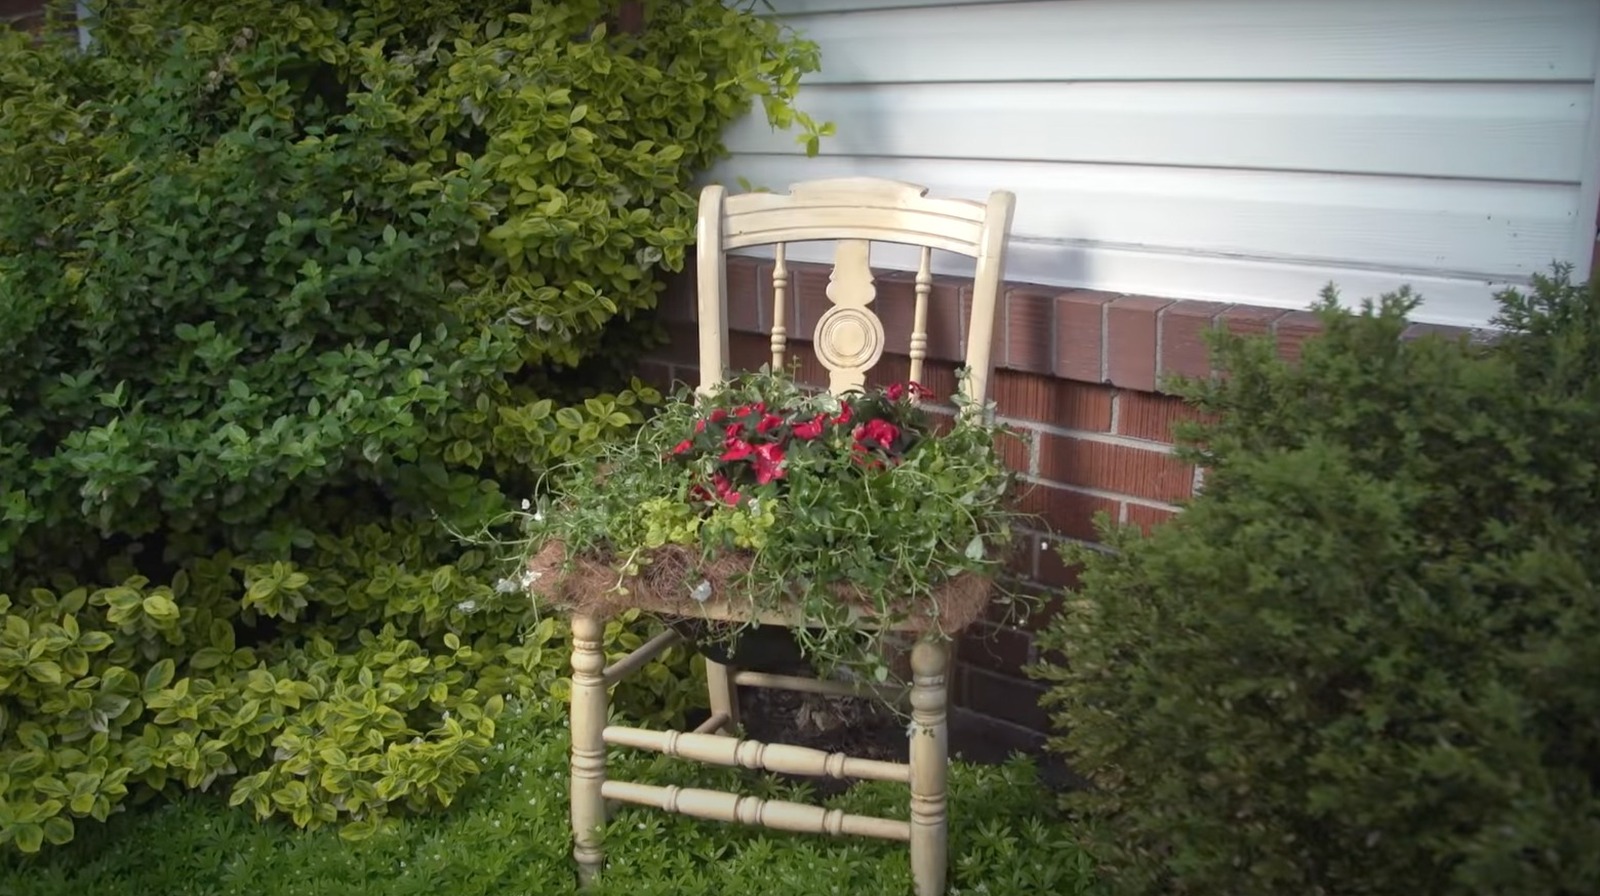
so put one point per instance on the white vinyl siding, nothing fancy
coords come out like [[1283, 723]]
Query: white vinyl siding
[[1236, 150]]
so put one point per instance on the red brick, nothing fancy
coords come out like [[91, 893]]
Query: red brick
[[746, 294], [1055, 572], [1057, 402], [1292, 330], [807, 369], [1183, 342], [1131, 341], [1014, 700], [1080, 332], [1249, 320], [1418, 331], [1146, 517], [808, 294], [748, 351], [939, 378], [997, 649], [1143, 473], [1016, 449], [1067, 512], [655, 373], [630, 17], [1028, 318], [682, 346], [1150, 415], [1023, 556], [889, 369], [896, 304]]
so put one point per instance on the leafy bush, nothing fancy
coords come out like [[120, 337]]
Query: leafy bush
[[289, 292], [1366, 660], [510, 834]]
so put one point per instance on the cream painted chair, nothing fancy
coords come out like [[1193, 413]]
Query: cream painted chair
[[848, 340]]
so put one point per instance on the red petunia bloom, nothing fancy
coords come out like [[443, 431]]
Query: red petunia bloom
[[810, 429], [880, 432], [769, 423], [725, 489], [683, 446], [897, 391], [738, 449], [844, 416], [718, 415], [699, 426], [769, 463], [733, 432]]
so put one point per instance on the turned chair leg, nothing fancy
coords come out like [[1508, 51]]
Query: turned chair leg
[[588, 721], [930, 748], [724, 695]]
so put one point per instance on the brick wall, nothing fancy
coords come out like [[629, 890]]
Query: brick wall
[[22, 13], [1077, 370]]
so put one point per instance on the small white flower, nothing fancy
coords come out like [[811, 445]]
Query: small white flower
[[538, 516], [467, 606], [506, 586], [701, 592], [526, 504], [755, 506]]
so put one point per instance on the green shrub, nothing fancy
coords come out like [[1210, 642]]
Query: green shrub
[[289, 293], [1366, 660], [510, 835]]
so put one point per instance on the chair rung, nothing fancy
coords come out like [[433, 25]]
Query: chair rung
[[715, 749], [815, 685], [775, 814], [644, 653], [717, 720]]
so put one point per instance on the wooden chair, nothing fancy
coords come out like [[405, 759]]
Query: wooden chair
[[848, 340]]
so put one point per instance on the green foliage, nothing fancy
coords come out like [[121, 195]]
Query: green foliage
[[290, 292], [841, 505], [1366, 660], [509, 834]]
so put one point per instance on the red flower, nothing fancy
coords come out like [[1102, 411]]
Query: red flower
[[699, 426], [844, 416], [683, 446], [738, 449], [880, 431], [725, 489], [810, 429], [697, 492], [718, 415], [769, 463], [732, 432], [897, 391], [769, 423]]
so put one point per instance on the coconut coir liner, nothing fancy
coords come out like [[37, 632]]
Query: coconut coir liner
[[588, 585]]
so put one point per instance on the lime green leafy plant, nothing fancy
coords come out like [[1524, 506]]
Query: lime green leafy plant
[[289, 292], [509, 834]]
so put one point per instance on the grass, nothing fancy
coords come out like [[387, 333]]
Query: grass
[[508, 836]]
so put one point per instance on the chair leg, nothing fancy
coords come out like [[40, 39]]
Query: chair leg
[[724, 695], [588, 720], [930, 747]]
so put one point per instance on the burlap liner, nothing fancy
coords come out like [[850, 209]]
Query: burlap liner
[[588, 585]]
